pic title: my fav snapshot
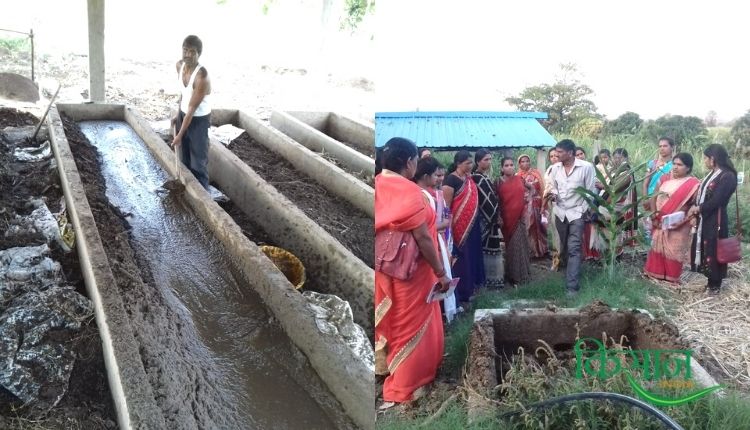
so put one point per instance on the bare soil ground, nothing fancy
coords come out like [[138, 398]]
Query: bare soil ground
[[151, 86]]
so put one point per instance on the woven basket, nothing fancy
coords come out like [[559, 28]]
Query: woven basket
[[288, 263]]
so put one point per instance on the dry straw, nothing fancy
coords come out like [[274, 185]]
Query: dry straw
[[717, 328]]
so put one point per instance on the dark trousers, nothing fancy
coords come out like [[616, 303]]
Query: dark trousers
[[571, 234], [194, 146]]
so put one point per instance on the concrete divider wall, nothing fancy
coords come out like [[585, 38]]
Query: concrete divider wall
[[348, 379], [346, 129], [339, 127], [132, 396], [318, 141], [316, 120], [313, 165]]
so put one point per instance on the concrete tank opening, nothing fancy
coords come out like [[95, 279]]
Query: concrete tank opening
[[498, 335]]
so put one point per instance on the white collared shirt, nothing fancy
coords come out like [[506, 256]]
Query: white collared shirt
[[562, 185]]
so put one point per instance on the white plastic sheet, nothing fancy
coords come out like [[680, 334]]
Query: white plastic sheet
[[333, 316], [36, 311]]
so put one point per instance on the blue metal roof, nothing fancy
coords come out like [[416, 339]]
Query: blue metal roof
[[454, 130]]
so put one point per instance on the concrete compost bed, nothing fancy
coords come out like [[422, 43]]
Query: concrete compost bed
[[86, 402], [347, 378], [350, 226], [330, 176], [498, 334], [347, 143], [340, 272], [350, 132]]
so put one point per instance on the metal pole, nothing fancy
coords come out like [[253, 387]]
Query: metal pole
[[31, 36]]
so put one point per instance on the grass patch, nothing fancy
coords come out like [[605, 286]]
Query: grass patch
[[456, 341], [454, 417]]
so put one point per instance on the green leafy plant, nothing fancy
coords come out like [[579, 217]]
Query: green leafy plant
[[608, 215]]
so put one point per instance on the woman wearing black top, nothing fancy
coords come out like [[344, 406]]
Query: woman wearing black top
[[711, 209]]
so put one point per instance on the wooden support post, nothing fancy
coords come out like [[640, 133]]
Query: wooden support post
[[96, 50]]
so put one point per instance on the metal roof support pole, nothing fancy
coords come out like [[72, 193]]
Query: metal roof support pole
[[96, 50]]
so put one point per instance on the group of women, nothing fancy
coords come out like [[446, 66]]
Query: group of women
[[458, 220], [685, 217], [508, 213], [688, 218]]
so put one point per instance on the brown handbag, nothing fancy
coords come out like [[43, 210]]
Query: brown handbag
[[396, 254], [729, 250]]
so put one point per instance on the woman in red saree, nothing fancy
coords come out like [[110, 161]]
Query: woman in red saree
[[536, 231], [408, 330], [462, 196], [511, 191], [670, 248]]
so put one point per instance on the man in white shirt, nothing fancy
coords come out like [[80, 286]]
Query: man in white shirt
[[569, 207], [194, 115]]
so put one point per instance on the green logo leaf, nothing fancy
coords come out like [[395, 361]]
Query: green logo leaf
[[665, 401]]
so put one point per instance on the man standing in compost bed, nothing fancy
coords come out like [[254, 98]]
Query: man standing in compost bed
[[194, 115]]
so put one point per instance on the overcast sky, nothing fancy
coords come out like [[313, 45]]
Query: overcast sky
[[292, 33], [650, 57]]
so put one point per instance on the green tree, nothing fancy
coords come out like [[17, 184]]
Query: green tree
[[685, 130], [741, 130], [627, 123], [355, 13], [588, 127], [712, 119], [566, 101]]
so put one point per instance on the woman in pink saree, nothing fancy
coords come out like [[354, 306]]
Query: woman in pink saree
[[670, 246]]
